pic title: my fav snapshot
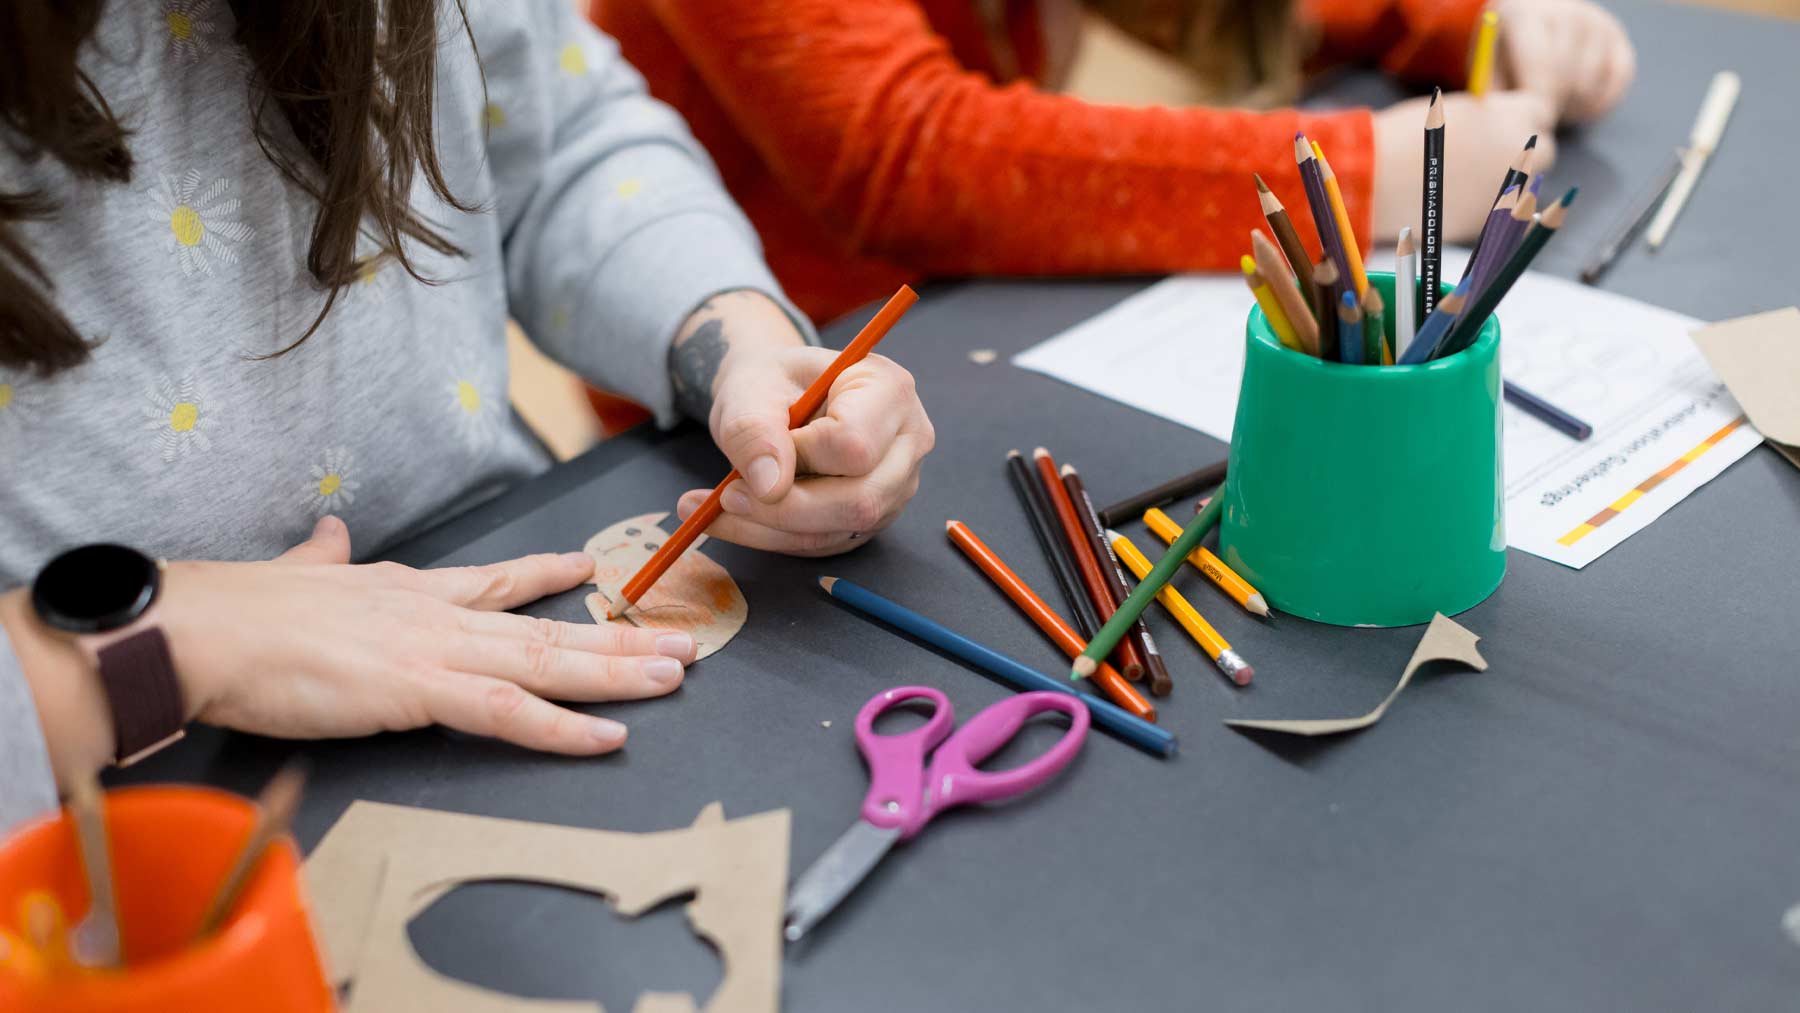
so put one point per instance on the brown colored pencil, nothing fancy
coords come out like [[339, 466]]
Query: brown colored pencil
[[275, 813], [1287, 292], [1131, 507], [1105, 676], [1117, 586], [1275, 213], [1324, 307], [1130, 660]]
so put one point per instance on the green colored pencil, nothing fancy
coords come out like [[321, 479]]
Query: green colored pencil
[[1375, 339], [1140, 598], [1463, 332]]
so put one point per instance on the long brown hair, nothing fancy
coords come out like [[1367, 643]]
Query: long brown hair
[[1248, 52], [352, 79]]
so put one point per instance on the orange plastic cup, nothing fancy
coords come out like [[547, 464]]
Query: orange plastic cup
[[171, 848]]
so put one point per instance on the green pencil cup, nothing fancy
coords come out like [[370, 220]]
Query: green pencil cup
[[1367, 495]]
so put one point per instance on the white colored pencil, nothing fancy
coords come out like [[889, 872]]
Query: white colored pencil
[[1406, 292], [1715, 110]]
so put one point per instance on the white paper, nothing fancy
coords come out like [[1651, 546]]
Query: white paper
[[1625, 367]]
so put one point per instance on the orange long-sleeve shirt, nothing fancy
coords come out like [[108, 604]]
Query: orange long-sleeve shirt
[[870, 144]]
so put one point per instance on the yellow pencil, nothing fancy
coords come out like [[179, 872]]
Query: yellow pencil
[[1481, 61], [1335, 195], [1265, 297], [1234, 667], [1164, 527]]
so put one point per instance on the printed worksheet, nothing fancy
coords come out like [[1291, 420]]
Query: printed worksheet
[[1663, 422]]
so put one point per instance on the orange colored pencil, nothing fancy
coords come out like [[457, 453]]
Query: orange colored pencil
[[799, 413], [1130, 658], [1105, 677]]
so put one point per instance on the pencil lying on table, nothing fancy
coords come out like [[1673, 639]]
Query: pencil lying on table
[[1130, 659], [1168, 492], [1107, 716], [1230, 663], [799, 413], [1159, 576], [1105, 677], [1116, 585], [1049, 537], [1223, 577]]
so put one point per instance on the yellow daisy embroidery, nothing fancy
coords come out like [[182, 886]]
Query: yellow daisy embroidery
[[190, 28], [628, 188], [179, 417], [472, 406], [18, 402], [330, 489], [572, 60], [492, 116], [198, 220]]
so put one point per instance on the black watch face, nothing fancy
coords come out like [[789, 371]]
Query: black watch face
[[95, 588]]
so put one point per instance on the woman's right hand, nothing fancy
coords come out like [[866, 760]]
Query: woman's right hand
[[308, 646], [1482, 136]]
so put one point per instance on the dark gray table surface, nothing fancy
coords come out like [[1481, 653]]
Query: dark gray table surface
[[1606, 819]]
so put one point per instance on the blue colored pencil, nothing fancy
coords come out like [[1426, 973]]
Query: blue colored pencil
[[1350, 330], [1436, 327], [1547, 413], [1114, 720]]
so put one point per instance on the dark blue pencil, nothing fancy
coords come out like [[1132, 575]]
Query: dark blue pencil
[[1350, 330], [1113, 720], [1547, 413]]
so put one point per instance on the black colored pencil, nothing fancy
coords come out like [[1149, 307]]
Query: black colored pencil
[[1431, 211], [1517, 174], [1132, 507], [1633, 223], [1114, 573], [1547, 413], [1049, 538]]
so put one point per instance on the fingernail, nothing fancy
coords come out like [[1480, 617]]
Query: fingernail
[[663, 671], [735, 502], [763, 473], [675, 645], [684, 507], [576, 558], [607, 731], [326, 524]]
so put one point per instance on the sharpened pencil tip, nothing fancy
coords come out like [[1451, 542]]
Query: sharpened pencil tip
[[1257, 604], [1113, 536], [1261, 187], [1531, 142], [828, 583], [950, 524], [1569, 198], [1084, 667]]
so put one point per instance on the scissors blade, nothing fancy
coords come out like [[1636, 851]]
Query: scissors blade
[[834, 874]]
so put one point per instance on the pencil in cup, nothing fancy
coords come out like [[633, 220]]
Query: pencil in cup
[[1223, 577], [1108, 717], [1105, 676], [1229, 662]]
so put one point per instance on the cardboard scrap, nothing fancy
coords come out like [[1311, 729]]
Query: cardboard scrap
[[1758, 357], [695, 596], [381, 865], [1444, 640]]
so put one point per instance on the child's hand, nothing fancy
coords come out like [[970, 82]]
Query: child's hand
[[1482, 136], [1571, 52]]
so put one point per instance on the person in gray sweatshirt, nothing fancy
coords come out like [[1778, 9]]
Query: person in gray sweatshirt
[[255, 266]]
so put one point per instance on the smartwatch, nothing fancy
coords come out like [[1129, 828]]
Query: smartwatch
[[95, 590]]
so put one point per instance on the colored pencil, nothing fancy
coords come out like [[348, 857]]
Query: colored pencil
[[799, 413], [1505, 240], [1632, 223], [1517, 174], [1341, 216], [1325, 310], [275, 813], [1292, 249], [1108, 717], [1116, 584], [1168, 492], [1271, 307], [1350, 330], [1135, 603], [1436, 327], [1483, 304], [1128, 659], [1331, 242], [1223, 577], [1376, 350], [1230, 664], [1105, 676], [1709, 127], [1049, 538], [97, 940], [1481, 61], [1287, 293], [1431, 211], [1494, 223], [1406, 292], [1546, 412]]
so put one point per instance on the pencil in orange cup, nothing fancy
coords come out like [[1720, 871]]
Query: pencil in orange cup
[[1106, 677], [799, 414]]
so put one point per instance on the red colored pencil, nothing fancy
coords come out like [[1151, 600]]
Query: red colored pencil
[[1128, 655]]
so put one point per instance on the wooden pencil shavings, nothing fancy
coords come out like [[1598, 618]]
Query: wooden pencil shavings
[[695, 596], [381, 865], [1444, 640]]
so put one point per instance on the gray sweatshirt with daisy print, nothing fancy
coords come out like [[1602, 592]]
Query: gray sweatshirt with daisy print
[[603, 227]]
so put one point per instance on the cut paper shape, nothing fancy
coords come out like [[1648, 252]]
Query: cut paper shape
[[1758, 357], [695, 596], [1444, 640], [381, 865]]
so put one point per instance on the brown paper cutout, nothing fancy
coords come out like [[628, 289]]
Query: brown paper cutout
[[408, 857], [695, 596], [1444, 640], [1758, 357]]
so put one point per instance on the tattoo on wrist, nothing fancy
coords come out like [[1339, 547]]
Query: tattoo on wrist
[[694, 366]]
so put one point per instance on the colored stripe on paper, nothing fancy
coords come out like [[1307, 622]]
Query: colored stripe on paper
[[1617, 506]]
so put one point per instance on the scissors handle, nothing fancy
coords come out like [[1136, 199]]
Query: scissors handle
[[896, 798], [954, 779]]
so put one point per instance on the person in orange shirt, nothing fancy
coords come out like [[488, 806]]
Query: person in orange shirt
[[880, 141]]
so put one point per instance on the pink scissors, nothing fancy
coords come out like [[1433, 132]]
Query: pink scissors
[[904, 794]]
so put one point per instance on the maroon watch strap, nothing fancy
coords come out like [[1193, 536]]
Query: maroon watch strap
[[139, 679]]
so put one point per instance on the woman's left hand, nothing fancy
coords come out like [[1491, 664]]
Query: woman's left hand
[[1572, 52], [826, 487]]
